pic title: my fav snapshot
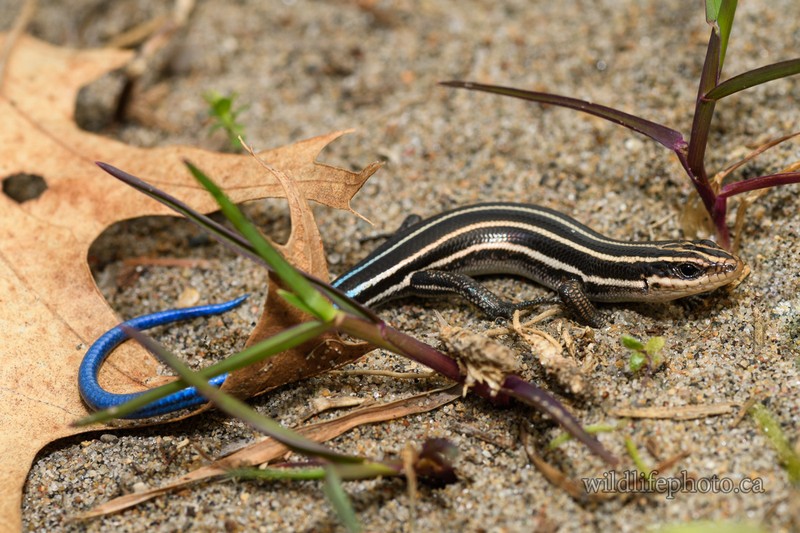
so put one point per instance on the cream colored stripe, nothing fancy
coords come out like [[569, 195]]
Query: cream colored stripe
[[513, 248], [543, 258]]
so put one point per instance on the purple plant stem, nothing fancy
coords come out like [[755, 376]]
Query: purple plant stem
[[534, 396], [761, 182], [387, 337], [703, 113]]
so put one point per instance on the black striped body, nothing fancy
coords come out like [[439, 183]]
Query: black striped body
[[542, 245]]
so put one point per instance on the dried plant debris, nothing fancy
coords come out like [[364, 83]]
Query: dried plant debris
[[566, 370], [480, 359]]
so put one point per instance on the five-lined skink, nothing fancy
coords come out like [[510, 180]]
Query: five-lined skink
[[438, 255]]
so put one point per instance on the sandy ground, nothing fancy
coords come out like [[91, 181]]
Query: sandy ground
[[305, 68]]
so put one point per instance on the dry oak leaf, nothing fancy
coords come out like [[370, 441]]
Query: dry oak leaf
[[327, 351], [50, 308]]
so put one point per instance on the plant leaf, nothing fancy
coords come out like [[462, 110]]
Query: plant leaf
[[296, 301], [637, 361], [348, 472], [761, 182], [227, 403], [340, 500], [712, 10], [788, 456], [654, 345], [720, 14], [633, 452], [754, 77], [631, 343], [668, 137], [704, 112]]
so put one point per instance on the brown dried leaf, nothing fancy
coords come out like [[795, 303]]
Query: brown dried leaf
[[314, 357], [50, 308]]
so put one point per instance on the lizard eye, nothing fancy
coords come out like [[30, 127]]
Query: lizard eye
[[688, 270]]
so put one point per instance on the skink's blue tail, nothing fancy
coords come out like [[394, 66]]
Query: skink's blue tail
[[98, 398]]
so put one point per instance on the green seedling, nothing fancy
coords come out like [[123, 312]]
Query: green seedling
[[644, 354], [224, 116]]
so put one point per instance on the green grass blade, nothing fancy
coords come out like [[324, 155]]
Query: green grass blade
[[229, 238], [292, 299], [279, 474], [662, 134], [348, 472], [772, 429], [294, 280], [712, 10], [725, 23], [720, 14], [340, 500], [280, 342], [238, 408], [754, 77], [592, 429], [633, 452]]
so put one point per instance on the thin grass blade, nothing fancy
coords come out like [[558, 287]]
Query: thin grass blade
[[720, 14], [293, 279], [226, 236], [668, 137], [754, 77], [761, 182], [788, 456], [239, 409], [347, 472], [278, 343], [592, 429], [340, 500]]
